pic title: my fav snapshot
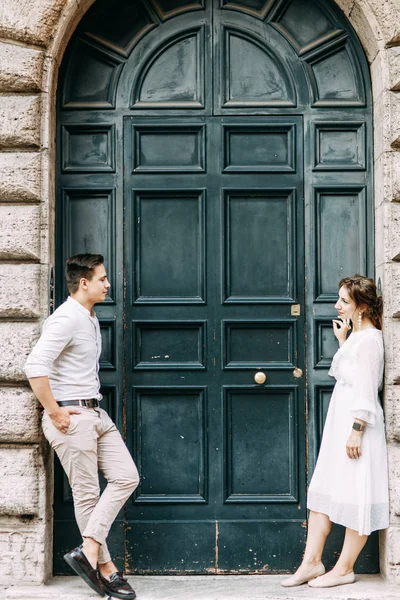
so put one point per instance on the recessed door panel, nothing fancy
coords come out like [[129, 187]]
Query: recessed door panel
[[169, 344], [252, 218], [175, 75], [169, 250], [152, 147], [340, 214], [259, 344], [182, 444], [253, 73], [261, 447], [257, 148], [89, 217]]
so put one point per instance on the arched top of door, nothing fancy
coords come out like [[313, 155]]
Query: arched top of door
[[214, 57]]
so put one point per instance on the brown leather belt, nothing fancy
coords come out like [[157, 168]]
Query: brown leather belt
[[91, 403]]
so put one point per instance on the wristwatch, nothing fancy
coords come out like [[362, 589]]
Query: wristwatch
[[358, 426]]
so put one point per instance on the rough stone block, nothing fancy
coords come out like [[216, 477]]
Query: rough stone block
[[390, 554], [382, 250], [393, 545], [393, 55], [20, 289], [19, 232], [383, 178], [22, 553], [395, 176], [379, 74], [30, 22], [19, 122], [391, 327], [366, 26], [387, 115], [20, 177], [394, 481], [391, 405], [16, 342], [20, 69], [387, 233], [387, 17], [19, 490], [20, 416], [393, 215]]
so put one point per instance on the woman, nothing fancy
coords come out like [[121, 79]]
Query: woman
[[350, 482]]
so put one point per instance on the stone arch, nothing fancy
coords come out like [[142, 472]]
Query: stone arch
[[34, 37]]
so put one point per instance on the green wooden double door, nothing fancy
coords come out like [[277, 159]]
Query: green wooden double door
[[219, 157]]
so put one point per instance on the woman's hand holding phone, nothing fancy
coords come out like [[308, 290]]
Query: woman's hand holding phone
[[341, 327]]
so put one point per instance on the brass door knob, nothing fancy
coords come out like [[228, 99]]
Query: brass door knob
[[260, 377], [298, 373]]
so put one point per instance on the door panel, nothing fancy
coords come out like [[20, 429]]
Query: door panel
[[259, 344], [171, 220], [261, 452], [184, 442], [253, 148], [252, 217]]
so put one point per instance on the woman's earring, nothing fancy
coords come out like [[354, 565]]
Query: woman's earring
[[360, 316]]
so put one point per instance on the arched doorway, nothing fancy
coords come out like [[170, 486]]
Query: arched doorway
[[220, 158]]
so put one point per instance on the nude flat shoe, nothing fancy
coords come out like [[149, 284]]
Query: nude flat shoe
[[334, 581], [294, 580]]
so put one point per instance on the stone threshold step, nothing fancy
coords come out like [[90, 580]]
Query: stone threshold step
[[209, 587]]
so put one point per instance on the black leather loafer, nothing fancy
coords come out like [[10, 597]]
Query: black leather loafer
[[82, 567], [117, 587]]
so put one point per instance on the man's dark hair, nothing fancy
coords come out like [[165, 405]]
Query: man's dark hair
[[78, 266]]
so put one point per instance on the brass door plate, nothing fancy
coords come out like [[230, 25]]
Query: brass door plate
[[295, 310]]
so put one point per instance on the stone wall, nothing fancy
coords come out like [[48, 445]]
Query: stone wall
[[33, 36]]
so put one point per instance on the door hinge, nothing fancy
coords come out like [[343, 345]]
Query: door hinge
[[295, 310]]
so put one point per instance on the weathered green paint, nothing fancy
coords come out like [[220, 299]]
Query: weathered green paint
[[220, 159]]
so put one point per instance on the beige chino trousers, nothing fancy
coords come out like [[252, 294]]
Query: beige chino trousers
[[93, 443]]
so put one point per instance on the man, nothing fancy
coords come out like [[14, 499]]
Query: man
[[63, 372]]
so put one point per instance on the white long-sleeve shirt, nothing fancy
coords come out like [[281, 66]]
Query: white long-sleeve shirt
[[68, 353]]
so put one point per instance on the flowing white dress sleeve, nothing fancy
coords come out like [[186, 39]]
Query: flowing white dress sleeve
[[367, 374]]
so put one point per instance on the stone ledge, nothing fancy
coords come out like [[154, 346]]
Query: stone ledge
[[209, 587], [20, 416], [20, 69], [16, 342], [19, 122], [19, 490], [20, 232], [20, 177]]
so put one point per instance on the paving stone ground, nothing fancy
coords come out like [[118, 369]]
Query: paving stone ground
[[250, 587]]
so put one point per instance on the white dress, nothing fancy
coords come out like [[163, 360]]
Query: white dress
[[354, 492]]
